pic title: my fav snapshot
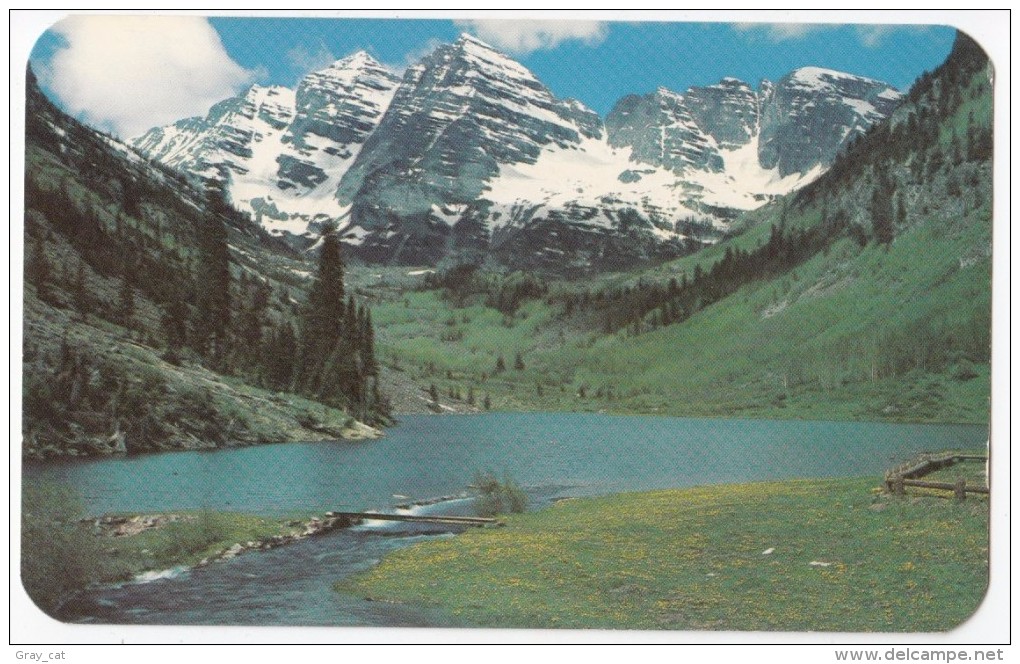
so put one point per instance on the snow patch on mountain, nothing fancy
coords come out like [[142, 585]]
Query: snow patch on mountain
[[596, 175], [588, 176], [744, 184]]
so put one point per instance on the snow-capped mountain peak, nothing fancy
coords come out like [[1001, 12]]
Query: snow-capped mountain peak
[[826, 79], [459, 113]]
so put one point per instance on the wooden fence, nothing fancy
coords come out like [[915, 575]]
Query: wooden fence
[[907, 474]]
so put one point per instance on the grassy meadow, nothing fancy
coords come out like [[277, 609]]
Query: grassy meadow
[[827, 555]]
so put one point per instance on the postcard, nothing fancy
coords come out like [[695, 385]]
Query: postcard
[[507, 323]]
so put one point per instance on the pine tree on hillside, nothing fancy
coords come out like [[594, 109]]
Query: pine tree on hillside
[[328, 362], [281, 351], [82, 294], [212, 315], [352, 328], [323, 318], [882, 209], [38, 269], [175, 324], [337, 343], [368, 346]]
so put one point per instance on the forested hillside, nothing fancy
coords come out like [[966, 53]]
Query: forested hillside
[[159, 317]]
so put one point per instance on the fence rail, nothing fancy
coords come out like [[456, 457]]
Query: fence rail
[[907, 474]]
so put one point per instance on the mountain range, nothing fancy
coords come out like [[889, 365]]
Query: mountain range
[[470, 154]]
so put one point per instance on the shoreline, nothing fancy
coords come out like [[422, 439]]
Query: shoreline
[[360, 432], [615, 413], [363, 432], [113, 527]]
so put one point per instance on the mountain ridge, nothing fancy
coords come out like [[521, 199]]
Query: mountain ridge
[[470, 149]]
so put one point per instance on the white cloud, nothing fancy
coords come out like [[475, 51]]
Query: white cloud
[[777, 32], [873, 36], [412, 57], [522, 37], [129, 73], [304, 60], [870, 36]]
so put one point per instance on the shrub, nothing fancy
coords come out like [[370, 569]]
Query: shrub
[[497, 496], [964, 370], [60, 555]]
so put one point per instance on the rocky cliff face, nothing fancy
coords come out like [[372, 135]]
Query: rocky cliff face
[[222, 143], [459, 114], [729, 111], [811, 114], [661, 130], [799, 123]]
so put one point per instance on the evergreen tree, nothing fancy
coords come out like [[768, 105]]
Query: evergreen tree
[[352, 324], [500, 365], [368, 346], [38, 269], [175, 324], [956, 150], [281, 357], [518, 362], [131, 203], [213, 303], [82, 296], [901, 210], [323, 318], [882, 210], [349, 368]]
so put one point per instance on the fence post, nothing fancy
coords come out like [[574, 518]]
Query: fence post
[[960, 490]]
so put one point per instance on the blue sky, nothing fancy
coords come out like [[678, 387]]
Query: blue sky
[[117, 76], [630, 57]]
